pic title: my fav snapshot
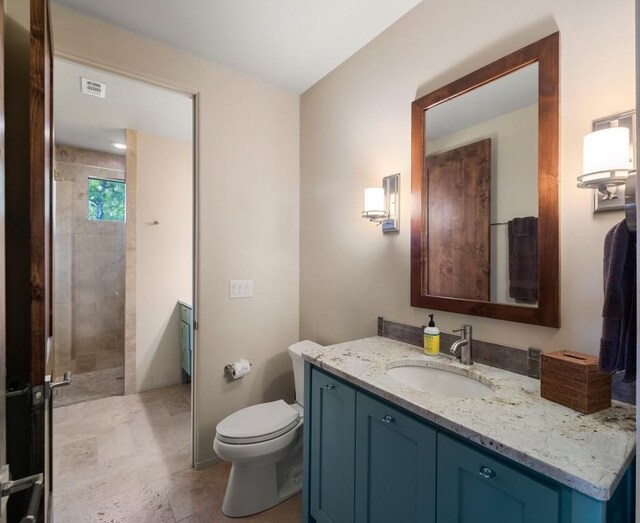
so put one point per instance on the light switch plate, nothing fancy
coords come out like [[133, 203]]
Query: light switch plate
[[240, 289]]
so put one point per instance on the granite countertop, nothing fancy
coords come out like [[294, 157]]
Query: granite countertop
[[588, 453]]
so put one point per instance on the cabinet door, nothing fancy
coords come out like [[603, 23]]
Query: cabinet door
[[476, 488], [395, 465], [185, 347], [332, 449], [185, 314]]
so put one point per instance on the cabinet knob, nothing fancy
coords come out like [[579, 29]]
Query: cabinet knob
[[328, 386], [388, 419], [486, 472]]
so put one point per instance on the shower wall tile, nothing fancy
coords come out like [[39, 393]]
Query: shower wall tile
[[85, 242], [86, 260], [110, 359], [86, 362], [89, 267], [129, 339], [110, 259], [84, 344], [83, 157]]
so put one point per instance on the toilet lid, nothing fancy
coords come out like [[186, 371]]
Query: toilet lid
[[258, 423]]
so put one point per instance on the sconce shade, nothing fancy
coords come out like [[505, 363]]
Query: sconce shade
[[605, 158], [374, 203]]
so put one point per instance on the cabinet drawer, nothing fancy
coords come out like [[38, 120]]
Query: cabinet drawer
[[185, 314], [474, 487]]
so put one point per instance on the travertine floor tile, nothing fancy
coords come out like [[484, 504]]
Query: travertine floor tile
[[191, 491], [70, 479], [287, 512], [128, 459], [177, 405], [114, 443], [85, 497], [161, 461], [82, 452], [148, 504]]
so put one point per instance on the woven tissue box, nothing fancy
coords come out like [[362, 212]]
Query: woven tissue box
[[572, 379]]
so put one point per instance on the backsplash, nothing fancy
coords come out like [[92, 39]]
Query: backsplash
[[519, 361]]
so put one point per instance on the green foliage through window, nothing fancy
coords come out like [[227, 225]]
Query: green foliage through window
[[107, 200]]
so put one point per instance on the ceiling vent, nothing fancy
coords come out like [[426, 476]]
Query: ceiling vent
[[93, 88]]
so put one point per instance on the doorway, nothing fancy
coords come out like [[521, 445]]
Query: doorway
[[123, 207]]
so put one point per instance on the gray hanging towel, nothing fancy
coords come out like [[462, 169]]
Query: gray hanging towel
[[618, 342], [523, 259]]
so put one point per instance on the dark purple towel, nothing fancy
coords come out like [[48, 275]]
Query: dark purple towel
[[618, 342], [523, 259]]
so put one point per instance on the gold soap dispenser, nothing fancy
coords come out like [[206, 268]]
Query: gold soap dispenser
[[431, 338]]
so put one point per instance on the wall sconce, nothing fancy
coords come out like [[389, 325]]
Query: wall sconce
[[605, 159], [607, 164], [382, 204]]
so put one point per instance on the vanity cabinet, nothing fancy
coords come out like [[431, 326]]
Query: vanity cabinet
[[367, 460], [185, 341]]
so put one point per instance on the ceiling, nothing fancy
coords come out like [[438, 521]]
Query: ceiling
[[288, 43], [94, 123]]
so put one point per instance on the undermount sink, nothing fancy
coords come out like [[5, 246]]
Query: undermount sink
[[438, 381]]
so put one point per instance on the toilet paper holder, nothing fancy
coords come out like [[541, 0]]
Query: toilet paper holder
[[230, 370]]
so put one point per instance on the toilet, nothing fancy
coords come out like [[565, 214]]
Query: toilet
[[264, 445]]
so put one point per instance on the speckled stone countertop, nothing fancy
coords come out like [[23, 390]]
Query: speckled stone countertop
[[588, 453]]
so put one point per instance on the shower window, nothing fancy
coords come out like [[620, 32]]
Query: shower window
[[107, 199]]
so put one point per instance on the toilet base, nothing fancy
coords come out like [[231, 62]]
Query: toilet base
[[254, 487]]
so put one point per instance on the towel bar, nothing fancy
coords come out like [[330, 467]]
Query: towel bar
[[630, 202]]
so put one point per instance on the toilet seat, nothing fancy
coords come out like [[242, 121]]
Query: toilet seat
[[258, 423]]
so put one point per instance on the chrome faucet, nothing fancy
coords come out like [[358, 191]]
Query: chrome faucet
[[463, 348]]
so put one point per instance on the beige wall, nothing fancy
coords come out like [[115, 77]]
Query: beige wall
[[249, 198], [88, 264], [355, 129], [164, 255]]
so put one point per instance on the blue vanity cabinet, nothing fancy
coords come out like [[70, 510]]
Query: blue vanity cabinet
[[332, 460], [367, 460], [475, 488], [395, 465], [186, 345]]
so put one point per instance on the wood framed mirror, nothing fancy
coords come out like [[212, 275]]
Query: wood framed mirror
[[484, 191]]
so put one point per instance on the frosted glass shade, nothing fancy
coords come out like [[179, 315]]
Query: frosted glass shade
[[606, 150], [374, 203]]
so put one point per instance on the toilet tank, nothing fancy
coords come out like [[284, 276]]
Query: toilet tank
[[295, 353]]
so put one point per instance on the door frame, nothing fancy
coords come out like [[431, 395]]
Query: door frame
[[195, 97], [3, 289]]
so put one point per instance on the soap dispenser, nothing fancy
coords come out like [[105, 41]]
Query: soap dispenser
[[431, 338]]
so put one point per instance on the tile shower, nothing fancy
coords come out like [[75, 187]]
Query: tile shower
[[89, 279]]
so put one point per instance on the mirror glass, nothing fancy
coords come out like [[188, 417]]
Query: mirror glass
[[484, 191], [481, 185]]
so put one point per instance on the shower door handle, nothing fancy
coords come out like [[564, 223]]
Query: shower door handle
[[50, 385]]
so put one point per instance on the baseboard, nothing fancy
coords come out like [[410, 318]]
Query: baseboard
[[168, 384], [208, 463]]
